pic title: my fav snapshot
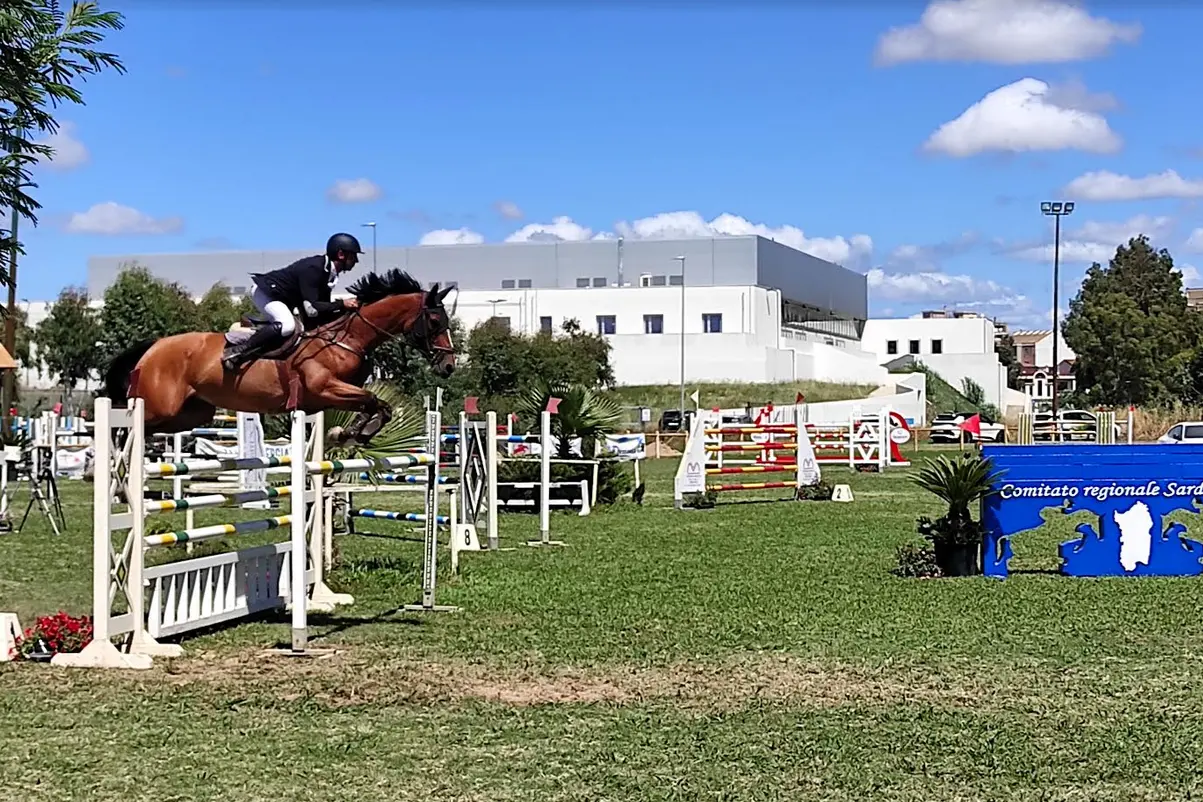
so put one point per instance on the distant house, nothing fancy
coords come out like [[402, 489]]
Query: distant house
[[1034, 350], [1194, 299]]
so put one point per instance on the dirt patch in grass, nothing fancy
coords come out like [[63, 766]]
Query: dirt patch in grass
[[357, 677]]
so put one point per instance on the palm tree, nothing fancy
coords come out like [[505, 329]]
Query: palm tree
[[583, 412], [46, 52]]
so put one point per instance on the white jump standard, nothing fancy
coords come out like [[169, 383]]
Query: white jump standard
[[195, 593]]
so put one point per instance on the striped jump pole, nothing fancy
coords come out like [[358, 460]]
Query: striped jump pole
[[398, 516], [402, 478], [216, 530]]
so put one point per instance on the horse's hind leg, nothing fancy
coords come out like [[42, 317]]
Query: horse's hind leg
[[373, 414]]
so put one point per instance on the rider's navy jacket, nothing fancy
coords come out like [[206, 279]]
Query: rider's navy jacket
[[304, 285]]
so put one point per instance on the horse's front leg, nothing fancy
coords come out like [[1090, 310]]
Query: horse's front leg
[[373, 414]]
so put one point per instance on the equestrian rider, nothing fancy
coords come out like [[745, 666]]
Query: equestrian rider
[[304, 285]]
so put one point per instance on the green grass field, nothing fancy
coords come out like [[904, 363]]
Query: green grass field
[[757, 651]]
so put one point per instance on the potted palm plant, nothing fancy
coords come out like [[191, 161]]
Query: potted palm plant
[[585, 416], [955, 537]]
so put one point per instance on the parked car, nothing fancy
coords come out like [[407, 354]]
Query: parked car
[[1076, 424], [1185, 432], [945, 428]]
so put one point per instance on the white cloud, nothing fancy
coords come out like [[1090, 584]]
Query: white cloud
[[451, 236], [508, 210], [1195, 241], [1096, 242], [111, 218], [1003, 32], [1190, 275], [1107, 186], [560, 229], [926, 258], [1021, 117], [354, 190], [69, 152], [851, 251], [934, 286]]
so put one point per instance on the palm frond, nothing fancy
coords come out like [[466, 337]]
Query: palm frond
[[582, 412], [406, 430], [958, 482]]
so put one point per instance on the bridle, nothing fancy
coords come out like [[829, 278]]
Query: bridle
[[422, 335]]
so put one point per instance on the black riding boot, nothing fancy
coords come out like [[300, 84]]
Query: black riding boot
[[260, 341]]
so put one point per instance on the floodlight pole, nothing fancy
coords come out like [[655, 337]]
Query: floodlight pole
[[1056, 210], [373, 227]]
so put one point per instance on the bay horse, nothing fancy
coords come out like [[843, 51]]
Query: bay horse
[[181, 380]]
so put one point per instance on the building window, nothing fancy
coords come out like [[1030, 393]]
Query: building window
[[524, 284], [676, 280], [937, 346], [238, 290], [1027, 354], [659, 281], [599, 281], [582, 282], [653, 324], [605, 324], [545, 325], [508, 284], [503, 322], [914, 344], [891, 346], [712, 323]]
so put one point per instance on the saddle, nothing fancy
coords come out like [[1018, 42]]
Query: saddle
[[241, 331]]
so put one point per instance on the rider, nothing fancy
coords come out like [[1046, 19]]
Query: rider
[[304, 285]]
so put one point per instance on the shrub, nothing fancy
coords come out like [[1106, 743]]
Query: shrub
[[917, 562]]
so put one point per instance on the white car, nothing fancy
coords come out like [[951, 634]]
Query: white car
[[1076, 424], [1186, 432], [945, 428]]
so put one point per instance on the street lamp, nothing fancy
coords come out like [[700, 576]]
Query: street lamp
[[373, 227], [1056, 210], [494, 302], [681, 259]]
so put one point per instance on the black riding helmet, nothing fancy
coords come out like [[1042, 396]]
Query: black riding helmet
[[342, 242]]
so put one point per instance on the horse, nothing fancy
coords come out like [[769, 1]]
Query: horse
[[181, 381]]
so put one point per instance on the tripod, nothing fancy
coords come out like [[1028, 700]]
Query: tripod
[[41, 473]]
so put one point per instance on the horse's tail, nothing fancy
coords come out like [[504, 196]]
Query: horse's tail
[[117, 376]]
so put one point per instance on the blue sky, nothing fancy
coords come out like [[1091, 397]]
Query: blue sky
[[851, 133]]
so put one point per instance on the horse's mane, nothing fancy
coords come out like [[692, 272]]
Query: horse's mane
[[373, 287]]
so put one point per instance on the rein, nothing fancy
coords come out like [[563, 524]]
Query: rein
[[421, 327]]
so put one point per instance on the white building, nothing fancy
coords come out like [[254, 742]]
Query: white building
[[746, 309], [731, 333], [957, 348], [28, 375], [755, 310]]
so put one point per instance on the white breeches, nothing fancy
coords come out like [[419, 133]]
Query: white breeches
[[278, 311]]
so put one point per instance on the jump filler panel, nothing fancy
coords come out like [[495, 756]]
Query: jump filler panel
[[1130, 488]]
